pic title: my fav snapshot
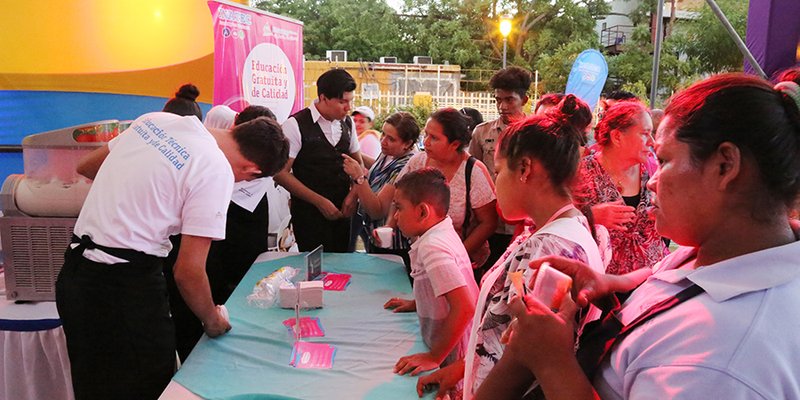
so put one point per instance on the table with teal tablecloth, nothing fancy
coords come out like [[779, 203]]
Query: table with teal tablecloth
[[252, 360]]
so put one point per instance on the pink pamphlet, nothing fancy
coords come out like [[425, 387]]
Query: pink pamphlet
[[336, 282], [312, 355]]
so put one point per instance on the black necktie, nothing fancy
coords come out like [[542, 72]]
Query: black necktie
[[600, 336]]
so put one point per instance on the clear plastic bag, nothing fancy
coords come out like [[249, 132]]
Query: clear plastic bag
[[267, 290]]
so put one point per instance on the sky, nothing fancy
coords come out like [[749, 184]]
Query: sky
[[396, 4]]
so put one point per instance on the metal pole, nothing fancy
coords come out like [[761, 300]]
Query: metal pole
[[657, 52], [736, 38], [405, 91], [438, 78], [505, 48]]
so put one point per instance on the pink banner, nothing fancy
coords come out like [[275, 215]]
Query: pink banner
[[258, 59]]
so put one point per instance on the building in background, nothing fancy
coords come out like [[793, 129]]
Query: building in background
[[616, 28]]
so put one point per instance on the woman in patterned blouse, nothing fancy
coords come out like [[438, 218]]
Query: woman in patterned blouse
[[612, 182], [376, 188]]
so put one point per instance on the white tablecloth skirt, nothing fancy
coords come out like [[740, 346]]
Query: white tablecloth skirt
[[35, 366]]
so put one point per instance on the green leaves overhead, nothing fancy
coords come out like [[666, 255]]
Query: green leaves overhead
[[547, 35]]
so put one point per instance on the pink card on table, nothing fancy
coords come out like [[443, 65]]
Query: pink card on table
[[309, 327], [312, 355], [337, 282]]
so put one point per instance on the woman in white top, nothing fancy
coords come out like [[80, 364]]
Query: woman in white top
[[729, 172], [446, 138], [536, 160]]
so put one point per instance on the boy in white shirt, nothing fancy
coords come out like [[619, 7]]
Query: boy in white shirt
[[444, 288]]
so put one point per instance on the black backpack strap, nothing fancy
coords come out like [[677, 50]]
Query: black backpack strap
[[468, 208], [600, 336]]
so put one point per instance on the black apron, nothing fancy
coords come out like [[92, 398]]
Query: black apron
[[116, 319]]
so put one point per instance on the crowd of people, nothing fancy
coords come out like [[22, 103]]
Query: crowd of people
[[677, 227]]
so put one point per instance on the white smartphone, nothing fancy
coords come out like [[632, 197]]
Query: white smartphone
[[550, 286]]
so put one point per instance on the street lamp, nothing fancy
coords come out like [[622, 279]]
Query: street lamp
[[505, 29]]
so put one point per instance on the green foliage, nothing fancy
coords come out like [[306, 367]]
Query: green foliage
[[632, 69], [447, 30], [638, 88], [420, 113], [706, 42], [554, 67], [547, 35], [641, 14], [462, 32], [546, 29], [696, 48], [367, 29]]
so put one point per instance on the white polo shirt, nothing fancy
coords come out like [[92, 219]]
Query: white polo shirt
[[735, 341], [163, 176], [331, 129], [440, 264]]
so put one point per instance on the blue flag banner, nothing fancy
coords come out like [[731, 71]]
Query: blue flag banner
[[588, 75]]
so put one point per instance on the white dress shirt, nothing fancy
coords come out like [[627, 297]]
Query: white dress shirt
[[331, 129]]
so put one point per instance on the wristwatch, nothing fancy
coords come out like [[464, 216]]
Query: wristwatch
[[360, 179]]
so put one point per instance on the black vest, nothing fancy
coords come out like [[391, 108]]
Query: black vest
[[319, 165]]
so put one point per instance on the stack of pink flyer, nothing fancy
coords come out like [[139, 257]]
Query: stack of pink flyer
[[334, 281], [312, 355]]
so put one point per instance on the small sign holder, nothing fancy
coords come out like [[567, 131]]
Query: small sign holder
[[313, 271]]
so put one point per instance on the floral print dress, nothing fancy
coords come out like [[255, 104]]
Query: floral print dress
[[640, 246], [496, 316]]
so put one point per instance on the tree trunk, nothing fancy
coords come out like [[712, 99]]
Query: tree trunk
[[671, 18]]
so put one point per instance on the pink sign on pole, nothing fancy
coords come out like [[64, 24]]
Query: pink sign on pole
[[258, 59]]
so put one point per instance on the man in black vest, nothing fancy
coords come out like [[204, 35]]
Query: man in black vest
[[318, 136]]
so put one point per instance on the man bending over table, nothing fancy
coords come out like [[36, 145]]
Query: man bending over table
[[164, 175]]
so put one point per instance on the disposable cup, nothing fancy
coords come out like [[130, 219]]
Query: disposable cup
[[385, 236]]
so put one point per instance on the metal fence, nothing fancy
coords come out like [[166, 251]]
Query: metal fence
[[386, 102]]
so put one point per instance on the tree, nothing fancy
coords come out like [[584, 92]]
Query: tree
[[549, 35], [632, 69], [447, 30], [706, 42], [696, 47], [542, 28], [343, 25], [555, 66], [461, 32]]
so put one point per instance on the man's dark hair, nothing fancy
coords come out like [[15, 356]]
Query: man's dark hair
[[427, 185], [261, 141], [515, 79], [621, 95], [252, 112], [334, 83], [475, 117]]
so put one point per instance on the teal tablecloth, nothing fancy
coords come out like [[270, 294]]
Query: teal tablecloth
[[252, 360]]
